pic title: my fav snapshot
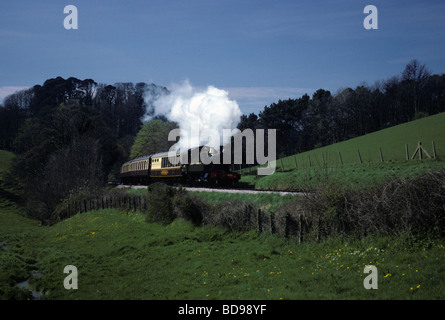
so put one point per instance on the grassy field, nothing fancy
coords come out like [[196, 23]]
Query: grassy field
[[348, 176], [352, 173], [391, 140], [120, 256], [268, 202]]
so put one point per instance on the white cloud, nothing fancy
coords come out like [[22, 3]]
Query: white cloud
[[7, 90]]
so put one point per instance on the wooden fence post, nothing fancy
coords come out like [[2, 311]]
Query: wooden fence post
[[272, 224], [260, 222], [359, 156], [286, 225], [406, 151], [341, 160], [381, 155], [420, 150], [434, 150], [300, 229], [295, 160]]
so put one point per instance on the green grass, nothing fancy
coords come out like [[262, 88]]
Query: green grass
[[268, 202], [265, 202], [347, 176], [325, 161], [120, 256], [391, 140]]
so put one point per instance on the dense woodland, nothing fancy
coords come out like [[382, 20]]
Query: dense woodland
[[72, 135]]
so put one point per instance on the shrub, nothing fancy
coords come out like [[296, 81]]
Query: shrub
[[189, 207], [234, 215], [414, 207], [160, 203]]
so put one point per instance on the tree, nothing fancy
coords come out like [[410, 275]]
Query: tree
[[13, 115], [414, 79], [152, 138], [75, 168]]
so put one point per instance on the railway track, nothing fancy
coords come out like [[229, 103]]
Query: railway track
[[227, 190]]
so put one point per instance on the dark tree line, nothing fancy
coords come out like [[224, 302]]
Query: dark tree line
[[70, 136], [309, 122]]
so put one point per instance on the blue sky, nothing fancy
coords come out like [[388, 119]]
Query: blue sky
[[259, 51]]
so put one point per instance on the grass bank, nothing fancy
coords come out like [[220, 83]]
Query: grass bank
[[120, 256], [346, 177], [341, 161]]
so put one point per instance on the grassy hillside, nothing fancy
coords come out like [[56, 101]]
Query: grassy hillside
[[325, 162], [391, 141]]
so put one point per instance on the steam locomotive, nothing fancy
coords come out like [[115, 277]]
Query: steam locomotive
[[185, 169]]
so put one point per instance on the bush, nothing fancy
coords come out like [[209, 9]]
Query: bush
[[160, 203], [80, 195], [233, 215], [189, 207], [414, 207], [166, 203]]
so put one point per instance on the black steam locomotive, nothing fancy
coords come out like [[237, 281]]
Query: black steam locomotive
[[186, 169]]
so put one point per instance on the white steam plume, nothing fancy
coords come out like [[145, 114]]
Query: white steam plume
[[198, 113]]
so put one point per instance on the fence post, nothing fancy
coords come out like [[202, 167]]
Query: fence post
[[260, 222], [434, 150], [359, 156], [300, 228], [341, 160], [381, 155], [420, 150], [282, 167], [272, 224], [286, 225], [295, 160], [309, 157], [406, 151]]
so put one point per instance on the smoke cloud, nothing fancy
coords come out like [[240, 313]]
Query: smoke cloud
[[201, 115]]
